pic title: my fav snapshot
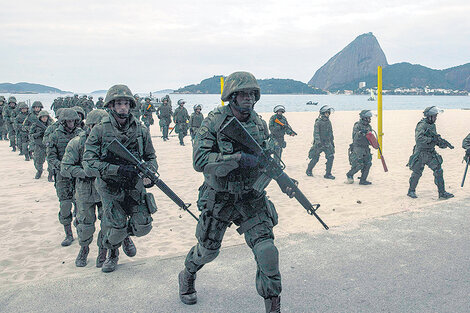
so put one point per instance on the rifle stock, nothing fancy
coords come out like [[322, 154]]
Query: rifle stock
[[118, 149], [285, 125], [234, 130]]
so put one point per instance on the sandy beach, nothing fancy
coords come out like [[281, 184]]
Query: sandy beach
[[32, 234]]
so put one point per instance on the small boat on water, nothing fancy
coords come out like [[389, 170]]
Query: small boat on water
[[372, 96], [311, 103]]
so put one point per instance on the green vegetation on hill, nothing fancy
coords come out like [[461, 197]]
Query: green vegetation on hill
[[27, 88]]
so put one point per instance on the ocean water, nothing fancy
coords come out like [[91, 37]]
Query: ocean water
[[297, 103]]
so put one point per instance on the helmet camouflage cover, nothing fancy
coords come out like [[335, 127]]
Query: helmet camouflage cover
[[68, 114], [58, 112], [239, 81], [12, 99], [43, 113], [23, 105], [95, 116], [37, 104], [79, 110], [119, 91]]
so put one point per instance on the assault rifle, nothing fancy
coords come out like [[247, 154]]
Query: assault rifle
[[118, 149], [235, 131], [286, 126], [441, 142]]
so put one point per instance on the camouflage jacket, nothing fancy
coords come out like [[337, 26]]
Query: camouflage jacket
[[466, 142], [99, 104], [426, 136], [7, 113], [49, 130], [19, 119], [195, 120], [164, 112], [210, 146], [359, 133], [58, 140], [277, 130], [99, 162], [38, 130], [31, 119], [323, 132], [181, 115]]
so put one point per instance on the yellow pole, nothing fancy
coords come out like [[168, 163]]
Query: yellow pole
[[222, 87], [379, 109]]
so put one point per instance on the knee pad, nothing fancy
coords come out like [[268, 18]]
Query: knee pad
[[206, 255], [267, 257], [140, 230], [115, 236]]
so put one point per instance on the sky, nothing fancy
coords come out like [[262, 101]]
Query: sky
[[82, 46]]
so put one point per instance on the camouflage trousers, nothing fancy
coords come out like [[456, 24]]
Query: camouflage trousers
[[124, 216], [88, 202], [39, 157], [147, 120], [433, 160], [314, 155], [24, 140], [256, 216], [3, 132], [182, 130], [11, 135], [360, 159], [164, 126], [64, 188]]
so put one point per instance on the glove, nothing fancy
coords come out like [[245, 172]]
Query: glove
[[150, 185], [248, 160], [128, 171]]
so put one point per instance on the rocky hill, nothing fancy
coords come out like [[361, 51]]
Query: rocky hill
[[358, 59], [27, 88]]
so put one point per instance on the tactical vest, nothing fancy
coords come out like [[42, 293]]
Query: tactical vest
[[325, 129], [62, 138], [430, 130], [360, 141], [196, 120]]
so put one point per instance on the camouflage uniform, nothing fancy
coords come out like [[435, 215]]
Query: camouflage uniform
[[49, 130], [31, 119], [64, 186], [466, 142], [147, 109], [231, 199], [125, 210], [8, 115], [181, 117], [137, 110], [323, 141], [100, 103], [87, 198], [195, 122], [424, 153], [22, 134], [164, 113], [3, 126], [278, 131], [360, 156], [36, 135]]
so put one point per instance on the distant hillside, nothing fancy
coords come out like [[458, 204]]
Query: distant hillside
[[28, 88], [164, 91], [98, 92], [268, 86]]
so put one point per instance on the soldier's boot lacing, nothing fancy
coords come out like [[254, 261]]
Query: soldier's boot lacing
[[68, 236], [80, 261], [102, 252], [128, 247], [187, 291], [111, 261], [273, 304]]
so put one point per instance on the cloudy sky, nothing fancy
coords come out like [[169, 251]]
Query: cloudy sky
[[87, 45]]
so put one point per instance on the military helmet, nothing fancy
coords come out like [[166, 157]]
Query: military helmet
[[119, 91], [90, 97], [68, 114], [2, 98], [12, 99], [136, 96], [80, 110], [326, 108], [279, 108], [365, 113], [197, 106], [181, 101], [75, 95], [58, 112], [95, 116], [43, 113], [239, 81], [100, 98], [37, 104], [430, 111], [147, 98], [22, 105]]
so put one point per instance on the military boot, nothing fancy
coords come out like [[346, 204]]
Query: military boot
[[188, 294], [329, 166], [329, 176], [128, 247], [101, 257], [445, 195], [412, 194], [13, 149], [68, 236], [38, 175], [273, 304], [80, 261], [349, 179], [50, 177], [111, 261], [364, 174]]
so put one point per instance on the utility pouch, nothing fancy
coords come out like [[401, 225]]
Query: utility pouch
[[272, 212], [151, 204]]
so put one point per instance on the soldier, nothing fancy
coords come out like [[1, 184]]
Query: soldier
[[195, 121], [64, 186], [100, 103], [127, 207], [278, 126], [228, 198], [147, 109], [3, 128], [8, 116], [49, 130], [36, 135], [81, 112], [181, 118], [164, 113], [21, 133], [90, 105], [137, 110], [323, 141], [360, 157], [74, 101], [466, 146], [424, 153], [87, 197], [31, 119]]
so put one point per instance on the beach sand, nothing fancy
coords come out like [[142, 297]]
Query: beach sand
[[31, 232]]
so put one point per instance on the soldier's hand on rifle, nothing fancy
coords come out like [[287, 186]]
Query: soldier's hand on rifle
[[147, 182], [248, 160], [290, 191]]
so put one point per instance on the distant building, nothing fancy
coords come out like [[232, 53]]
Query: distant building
[[362, 85]]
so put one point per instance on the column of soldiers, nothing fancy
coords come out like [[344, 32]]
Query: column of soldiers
[[104, 185]]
